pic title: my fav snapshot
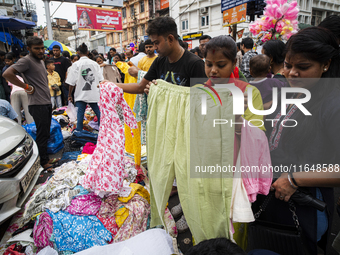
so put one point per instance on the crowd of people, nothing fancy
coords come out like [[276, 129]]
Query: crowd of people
[[310, 59]]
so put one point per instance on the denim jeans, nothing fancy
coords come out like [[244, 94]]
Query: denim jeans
[[56, 101], [81, 110]]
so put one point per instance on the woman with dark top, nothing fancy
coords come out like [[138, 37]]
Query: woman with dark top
[[311, 149], [274, 49]]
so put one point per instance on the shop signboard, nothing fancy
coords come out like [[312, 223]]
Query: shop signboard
[[228, 4], [99, 19], [235, 15], [190, 36]]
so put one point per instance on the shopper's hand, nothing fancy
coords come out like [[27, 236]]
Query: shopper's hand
[[146, 90], [283, 189], [103, 64], [30, 90], [133, 71], [70, 99], [102, 82]]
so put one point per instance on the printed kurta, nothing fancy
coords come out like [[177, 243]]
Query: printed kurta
[[106, 169]]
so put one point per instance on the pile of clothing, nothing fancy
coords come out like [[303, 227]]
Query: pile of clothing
[[63, 217]]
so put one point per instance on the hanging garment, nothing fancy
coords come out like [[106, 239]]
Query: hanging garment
[[254, 151], [240, 210], [42, 231], [84, 205], [106, 169], [180, 141], [141, 108], [132, 143], [77, 233]]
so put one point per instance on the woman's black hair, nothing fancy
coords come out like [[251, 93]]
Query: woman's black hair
[[332, 23], [317, 44], [224, 43], [66, 54], [275, 49], [10, 56], [98, 56], [120, 57], [74, 55], [109, 57]]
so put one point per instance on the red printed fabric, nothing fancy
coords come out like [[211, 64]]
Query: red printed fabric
[[84, 205], [106, 169], [135, 223], [110, 224], [15, 249], [42, 231], [140, 175]]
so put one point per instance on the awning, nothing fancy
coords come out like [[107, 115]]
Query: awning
[[10, 38], [14, 24]]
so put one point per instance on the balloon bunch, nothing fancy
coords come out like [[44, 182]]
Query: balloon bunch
[[132, 46], [278, 22]]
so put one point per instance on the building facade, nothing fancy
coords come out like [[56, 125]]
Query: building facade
[[195, 16], [136, 14], [79, 37], [62, 29], [312, 12]]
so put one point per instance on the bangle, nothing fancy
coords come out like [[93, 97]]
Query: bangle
[[291, 183], [238, 133], [294, 181], [27, 86], [29, 90]]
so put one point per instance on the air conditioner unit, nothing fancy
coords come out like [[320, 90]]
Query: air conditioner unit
[[203, 10], [15, 8]]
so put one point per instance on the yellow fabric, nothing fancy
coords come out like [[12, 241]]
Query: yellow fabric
[[136, 189], [53, 78], [241, 234], [121, 215], [258, 105], [82, 156], [35, 216], [132, 144], [145, 63]]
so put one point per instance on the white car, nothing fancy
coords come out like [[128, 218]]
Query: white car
[[19, 167]]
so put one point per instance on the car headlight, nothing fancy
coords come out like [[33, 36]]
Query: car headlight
[[17, 156]]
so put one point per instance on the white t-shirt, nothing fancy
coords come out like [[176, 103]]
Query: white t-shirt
[[85, 74], [136, 59]]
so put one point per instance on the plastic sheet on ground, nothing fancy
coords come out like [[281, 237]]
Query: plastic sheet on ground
[[150, 242]]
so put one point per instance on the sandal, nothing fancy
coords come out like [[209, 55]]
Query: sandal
[[182, 225], [53, 161]]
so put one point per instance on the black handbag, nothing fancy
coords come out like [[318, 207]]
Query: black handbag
[[282, 239]]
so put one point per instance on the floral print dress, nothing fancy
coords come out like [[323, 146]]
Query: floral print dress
[[106, 169]]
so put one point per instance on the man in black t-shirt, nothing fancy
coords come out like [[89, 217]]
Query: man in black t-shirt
[[174, 64], [61, 65]]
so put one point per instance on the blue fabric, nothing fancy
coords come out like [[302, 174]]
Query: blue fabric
[[7, 110], [77, 233], [82, 192], [82, 137], [15, 24], [81, 110], [322, 224], [10, 38], [72, 155]]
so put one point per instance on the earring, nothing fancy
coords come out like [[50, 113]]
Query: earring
[[325, 69]]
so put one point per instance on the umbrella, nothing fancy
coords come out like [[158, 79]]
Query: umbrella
[[15, 24], [62, 46], [47, 43]]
